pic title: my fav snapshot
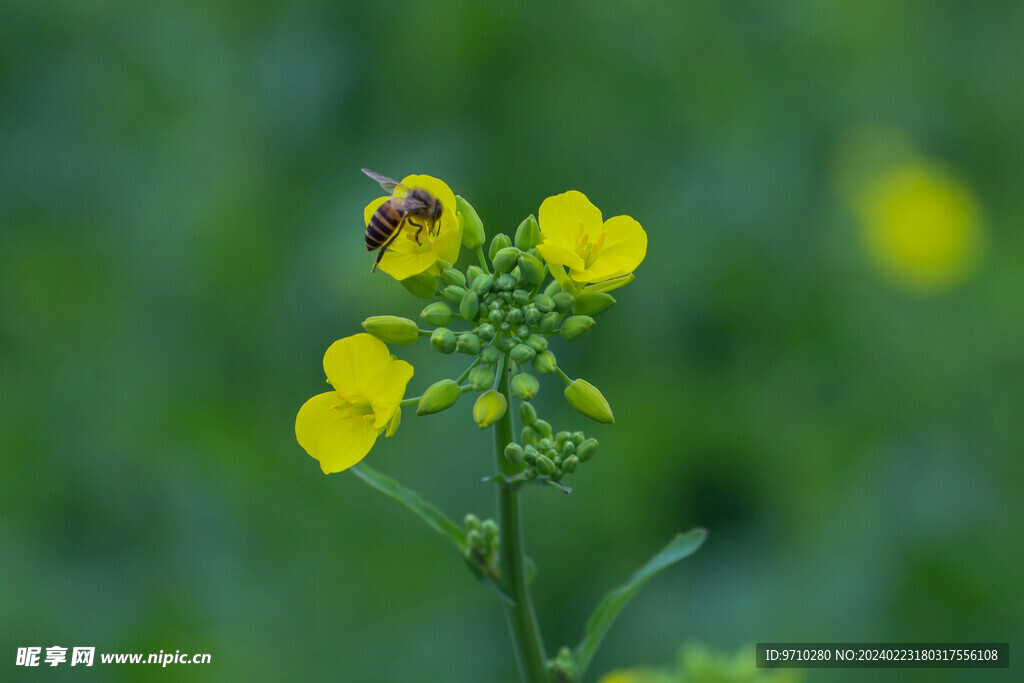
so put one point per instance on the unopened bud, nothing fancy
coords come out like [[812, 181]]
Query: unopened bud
[[437, 313], [576, 326], [489, 408], [531, 269], [554, 287], [545, 465], [514, 316], [454, 294], [490, 531], [521, 353], [453, 276], [470, 305], [585, 451], [544, 430], [499, 242], [443, 340], [532, 315], [584, 397], [505, 343], [481, 378], [476, 542], [423, 285], [471, 522], [593, 303], [482, 285], [506, 282], [524, 386], [391, 329], [468, 344], [505, 260], [439, 396], [563, 301], [489, 355], [486, 331], [528, 235], [537, 342], [545, 363], [529, 439], [473, 272], [544, 303], [527, 413], [473, 234], [549, 322], [523, 331], [570, 464], [514, 453]]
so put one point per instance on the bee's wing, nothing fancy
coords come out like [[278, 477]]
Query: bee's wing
[[408, 203], [389, 184]]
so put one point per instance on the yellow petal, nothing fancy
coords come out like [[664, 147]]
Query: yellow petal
[[560, 217], [403, 265], [337, 441], [624, 249], [353, 363], [388, 390], [558, 255]]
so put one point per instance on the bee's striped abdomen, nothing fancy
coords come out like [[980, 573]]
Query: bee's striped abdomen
[[382, 225]]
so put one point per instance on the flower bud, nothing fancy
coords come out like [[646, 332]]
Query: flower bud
[[439, 396], [521, 353], [506, 283], [505, 343], [584, 397], [585, 451], [486, 331], [543, 302], [471, 522], [452, 276], [563, 301], [496, 316], [545, 363], [391, 329], [505, 259], [482, 284], [454, 294], [490, 531], [489, 408], [524, 386], [527, 413], [549, 322], [528, 234], [578, 438], [521, 297], [394, 423], [475, 541], [568, 448], [543, 428], [443, 340], [481, 378], [423, 285], [532, 315], [529, 439], [489, 355], [514, 453], [593, 303], [570, 464], [514, 316], [500, 241], [576, 326], [537, 342], [554, 287], [545, 465], [473, 272], [473, 234], [470, 305], [531, 269], [468, 344], [523, 331], [437, 313]]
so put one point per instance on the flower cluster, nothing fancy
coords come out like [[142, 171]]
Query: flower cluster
[[501, 311]]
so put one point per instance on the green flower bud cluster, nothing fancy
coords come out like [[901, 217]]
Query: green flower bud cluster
[[562, 667], [545, 453], [482, 542]]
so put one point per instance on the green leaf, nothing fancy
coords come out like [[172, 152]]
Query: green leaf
[[412, 500], [683, 545]]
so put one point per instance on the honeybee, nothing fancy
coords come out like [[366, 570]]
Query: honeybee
[[393, 214]]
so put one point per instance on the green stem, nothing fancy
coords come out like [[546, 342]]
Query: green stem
[[522, 620], [479, 251], [410, 401]]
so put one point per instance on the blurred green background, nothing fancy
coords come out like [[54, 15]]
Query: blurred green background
[[180, 205]]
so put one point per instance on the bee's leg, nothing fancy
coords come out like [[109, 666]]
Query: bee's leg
[[384, 247], [419, 229]]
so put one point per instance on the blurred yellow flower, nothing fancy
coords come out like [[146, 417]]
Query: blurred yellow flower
[[339, 427], [921, 226], [405, 258], [596, 251]]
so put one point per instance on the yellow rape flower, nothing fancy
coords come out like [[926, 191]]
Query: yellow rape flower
[[339, 427], [405, 258], [600, 254]]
